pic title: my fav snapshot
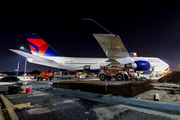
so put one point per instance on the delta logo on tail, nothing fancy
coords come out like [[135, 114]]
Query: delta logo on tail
[[39, 47]]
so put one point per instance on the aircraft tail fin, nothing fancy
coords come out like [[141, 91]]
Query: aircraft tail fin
[[111, 44], [39, 47]]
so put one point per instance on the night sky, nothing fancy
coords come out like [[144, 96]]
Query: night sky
[[151, 29]]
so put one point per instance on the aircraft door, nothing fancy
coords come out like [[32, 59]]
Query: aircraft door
[[86, 68]]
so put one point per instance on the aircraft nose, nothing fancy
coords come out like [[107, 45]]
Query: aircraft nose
[[166, 65]]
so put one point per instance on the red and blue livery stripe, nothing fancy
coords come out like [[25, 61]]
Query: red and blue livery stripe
[[39, 47]]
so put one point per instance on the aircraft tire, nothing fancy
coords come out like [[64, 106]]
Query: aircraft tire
[[102, 77], [119, 77], [126, 77], [50, 78]]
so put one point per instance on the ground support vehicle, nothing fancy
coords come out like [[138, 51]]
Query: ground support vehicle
[[119, 73], [45, 75]]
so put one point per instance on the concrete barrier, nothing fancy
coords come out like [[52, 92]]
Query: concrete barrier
[[160, 106]]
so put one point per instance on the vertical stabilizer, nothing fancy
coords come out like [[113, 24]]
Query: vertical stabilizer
[[39, 47]]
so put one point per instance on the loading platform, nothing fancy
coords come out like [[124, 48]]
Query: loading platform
[[124, 88]]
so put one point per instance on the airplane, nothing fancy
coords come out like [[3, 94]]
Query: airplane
[[117, 53], [112, 45]]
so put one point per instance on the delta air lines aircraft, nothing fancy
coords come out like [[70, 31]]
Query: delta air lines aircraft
[[112, 45]]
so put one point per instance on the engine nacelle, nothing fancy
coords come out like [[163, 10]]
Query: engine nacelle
[[147, 72], [138, 65]]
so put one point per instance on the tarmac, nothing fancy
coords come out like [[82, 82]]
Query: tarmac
[[51, 104], [48, 103]]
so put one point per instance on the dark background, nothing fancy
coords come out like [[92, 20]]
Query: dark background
[[152, 29]]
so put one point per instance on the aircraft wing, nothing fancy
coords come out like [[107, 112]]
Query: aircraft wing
[[111, 44], [37, 60]]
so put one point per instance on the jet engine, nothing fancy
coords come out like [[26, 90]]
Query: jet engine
[[138, 65], [147, 72]]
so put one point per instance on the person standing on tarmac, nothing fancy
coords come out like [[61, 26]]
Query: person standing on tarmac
[[35, 76]]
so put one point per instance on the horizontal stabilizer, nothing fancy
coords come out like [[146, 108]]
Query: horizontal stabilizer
[[37, 60]]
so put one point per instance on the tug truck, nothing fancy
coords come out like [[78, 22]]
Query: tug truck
[[45, 75], [106, 73]]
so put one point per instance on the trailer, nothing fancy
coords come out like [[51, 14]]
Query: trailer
[[119, 73]]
